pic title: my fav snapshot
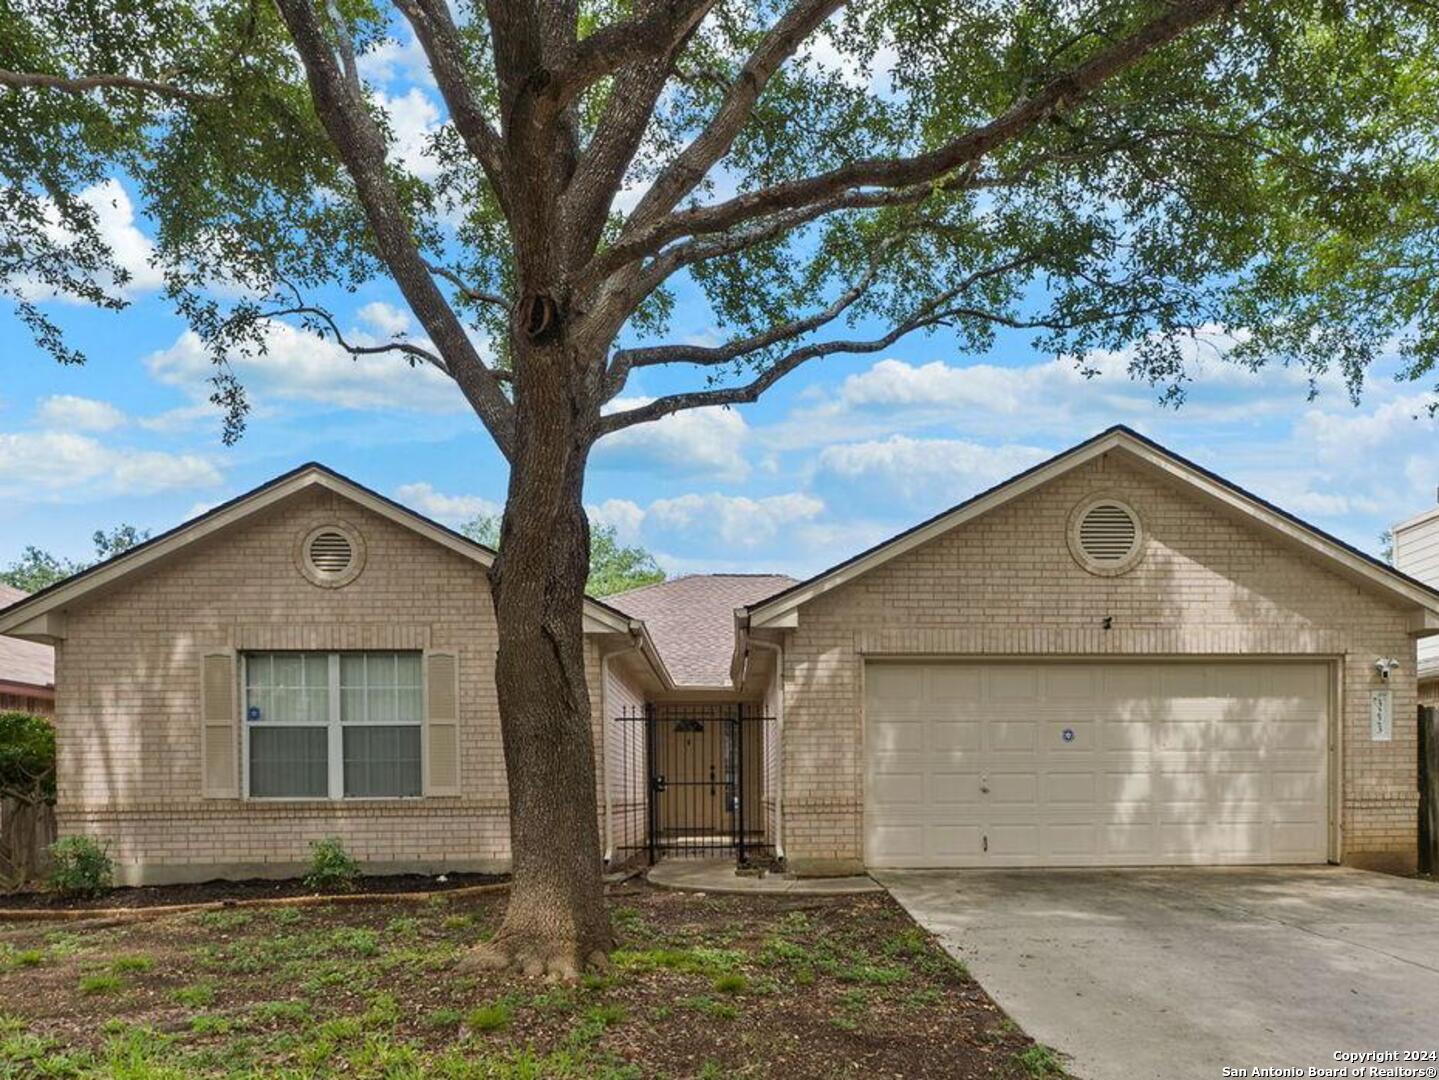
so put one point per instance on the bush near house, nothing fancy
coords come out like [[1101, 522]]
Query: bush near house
[[81, 867], [332, 868]]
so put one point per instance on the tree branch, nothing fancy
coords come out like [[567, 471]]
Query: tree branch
[[683, 174], [469, 291], [653, 33], [938, 311], [83, 84], [438, 36], [361, 146], [642, 238]]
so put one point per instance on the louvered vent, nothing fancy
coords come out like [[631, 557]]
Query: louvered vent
[[330, 552], [1108, 534]]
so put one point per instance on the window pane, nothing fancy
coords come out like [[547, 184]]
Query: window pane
[[412, 705], [290, 762], [407, 670], [382, 762], [352, 669], [380, 669], [382, 706], [352, 705], [289, 669], [317, 669], [258, 670]]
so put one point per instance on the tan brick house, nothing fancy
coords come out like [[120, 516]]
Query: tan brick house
[[1116, 658]]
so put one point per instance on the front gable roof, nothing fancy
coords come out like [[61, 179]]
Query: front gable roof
[[781, 608], [34, 616]]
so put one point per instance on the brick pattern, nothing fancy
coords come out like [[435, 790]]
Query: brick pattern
[[128, 697], [1210, 584]]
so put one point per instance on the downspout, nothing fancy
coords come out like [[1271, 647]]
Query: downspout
[[778, 651]]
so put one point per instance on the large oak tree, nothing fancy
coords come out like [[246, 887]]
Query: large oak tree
[[830, 175]]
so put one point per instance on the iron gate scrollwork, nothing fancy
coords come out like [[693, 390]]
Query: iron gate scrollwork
[[693, 780]]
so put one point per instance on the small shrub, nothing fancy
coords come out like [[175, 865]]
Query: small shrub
[[332, 869], [80, 867], [28, 958], [100, 983], [491, 1017]]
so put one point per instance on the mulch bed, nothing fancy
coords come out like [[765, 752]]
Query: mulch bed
[[207, 892]]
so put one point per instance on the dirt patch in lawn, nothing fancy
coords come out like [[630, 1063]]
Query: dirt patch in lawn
[[218, 891], [713, 986]]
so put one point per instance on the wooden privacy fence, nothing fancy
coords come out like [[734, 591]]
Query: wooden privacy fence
[[1428, 789], [27, 829]]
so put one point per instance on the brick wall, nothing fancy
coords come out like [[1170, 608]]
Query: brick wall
[[128, 697], [1006, 585]]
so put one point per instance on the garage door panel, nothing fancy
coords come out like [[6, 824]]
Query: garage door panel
[[1168, 763], [1012, 735]]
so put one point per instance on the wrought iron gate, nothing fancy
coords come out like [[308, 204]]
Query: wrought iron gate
[[693, 780]]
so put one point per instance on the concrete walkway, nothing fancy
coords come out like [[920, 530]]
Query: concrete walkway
[[1176, 974], [718, 876]]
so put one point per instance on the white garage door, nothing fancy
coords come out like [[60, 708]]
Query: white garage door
[[1120, 764]]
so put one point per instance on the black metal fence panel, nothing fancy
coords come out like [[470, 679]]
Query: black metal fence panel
[[706, 775]]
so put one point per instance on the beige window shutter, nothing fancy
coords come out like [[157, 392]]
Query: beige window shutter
[[219, 719], [442, 723]]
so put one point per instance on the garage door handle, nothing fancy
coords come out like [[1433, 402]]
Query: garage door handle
[[984, 785]]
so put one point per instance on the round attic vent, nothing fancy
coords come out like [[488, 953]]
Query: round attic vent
[[330, 552], [1105, 536], [332, 555]]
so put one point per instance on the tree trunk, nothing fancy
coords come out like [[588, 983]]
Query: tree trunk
[[556, 922]]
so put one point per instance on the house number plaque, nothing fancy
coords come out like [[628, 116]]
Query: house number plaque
[[1381, 715]]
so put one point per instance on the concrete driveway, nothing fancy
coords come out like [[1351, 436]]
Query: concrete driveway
[[1147, 974]]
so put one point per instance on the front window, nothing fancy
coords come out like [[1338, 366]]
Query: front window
[[333, 725]]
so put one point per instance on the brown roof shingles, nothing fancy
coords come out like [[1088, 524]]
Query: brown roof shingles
[[24, 662], [691, 619]]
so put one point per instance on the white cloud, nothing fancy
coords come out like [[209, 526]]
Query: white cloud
[[450, 509], [396, 60], [300, 366], [738, 520], [709, 442], [59, 466], [414, 119], [384, 318], [925, 471], [624, 515], [70, 413]]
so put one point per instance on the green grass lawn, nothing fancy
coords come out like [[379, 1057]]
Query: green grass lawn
[[700, 987]]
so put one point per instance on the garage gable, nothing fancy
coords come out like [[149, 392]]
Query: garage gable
[[1076, 517]]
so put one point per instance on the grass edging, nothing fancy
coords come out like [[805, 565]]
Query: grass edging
[[157, 910]]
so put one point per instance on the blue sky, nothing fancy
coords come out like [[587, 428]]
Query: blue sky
[[838, 456]]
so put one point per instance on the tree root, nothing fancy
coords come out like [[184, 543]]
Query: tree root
[[554, 961]]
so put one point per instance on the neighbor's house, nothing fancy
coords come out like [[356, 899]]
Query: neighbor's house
[[27, 669], [1116, 658], [1416, 552]]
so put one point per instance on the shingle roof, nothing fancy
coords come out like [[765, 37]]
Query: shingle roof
[[691, 619], [24, 661]]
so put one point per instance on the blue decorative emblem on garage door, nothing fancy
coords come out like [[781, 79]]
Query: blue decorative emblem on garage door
[[1068, 734], [252, 713]]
